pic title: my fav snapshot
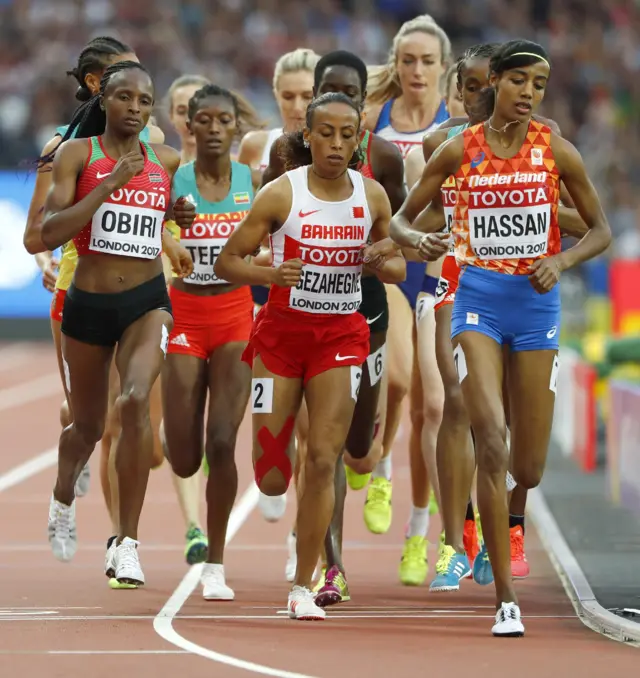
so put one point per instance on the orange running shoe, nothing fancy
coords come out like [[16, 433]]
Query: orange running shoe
[[470, 541], [519, 564]]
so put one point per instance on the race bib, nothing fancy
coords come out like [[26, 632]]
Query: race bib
[[330, 280], [510, 232], [127, 231], [204, 241]]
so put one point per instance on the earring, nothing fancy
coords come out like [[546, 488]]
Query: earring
[[306, 144]]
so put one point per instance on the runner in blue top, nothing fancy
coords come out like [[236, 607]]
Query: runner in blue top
[[404, 102], [212, 323]]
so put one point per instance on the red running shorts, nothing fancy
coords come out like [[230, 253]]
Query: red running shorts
[[448, 283], [203, 323], [57, 304], [298, 346]]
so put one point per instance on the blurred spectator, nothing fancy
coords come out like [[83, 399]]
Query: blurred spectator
[[594, 92]]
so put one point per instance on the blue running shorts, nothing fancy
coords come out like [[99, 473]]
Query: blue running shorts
[[506, 308]]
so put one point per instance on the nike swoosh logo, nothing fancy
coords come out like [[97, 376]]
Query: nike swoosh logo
[[302, 214], [100, 175], [372, 320], [344, 357]]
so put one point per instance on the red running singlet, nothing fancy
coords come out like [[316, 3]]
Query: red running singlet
[[130, 221]]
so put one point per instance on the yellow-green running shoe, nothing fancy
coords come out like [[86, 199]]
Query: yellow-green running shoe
[[197, 546], [377, 508], [356, 481], [413, 566]]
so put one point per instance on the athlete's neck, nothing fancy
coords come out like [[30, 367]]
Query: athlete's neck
[[215, 169], [507, 132], [187, 154], [326, 183], [417, 111], [117, 146]]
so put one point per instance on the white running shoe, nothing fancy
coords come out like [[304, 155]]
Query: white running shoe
[[213, 583], [62, 530], [292, 558], [84, 481], [272, 508], [127, 563], [302, 605], [508, 623]]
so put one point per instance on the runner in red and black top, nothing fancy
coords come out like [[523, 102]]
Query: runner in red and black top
[[309, 340], [110, 194], [380, 159]]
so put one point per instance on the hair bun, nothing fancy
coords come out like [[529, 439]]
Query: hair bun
[[83, 94]]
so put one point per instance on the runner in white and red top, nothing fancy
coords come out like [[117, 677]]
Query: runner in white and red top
[[308, 338], [110, 194]]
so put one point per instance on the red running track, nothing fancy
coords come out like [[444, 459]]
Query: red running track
[[62, 619]]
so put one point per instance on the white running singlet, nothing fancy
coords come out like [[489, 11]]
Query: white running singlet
[[271, 138], [329, 238]]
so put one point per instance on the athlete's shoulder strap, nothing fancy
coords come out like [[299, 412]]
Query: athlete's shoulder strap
[[384, 119], [151, 154], [299, 185], [95, 151]]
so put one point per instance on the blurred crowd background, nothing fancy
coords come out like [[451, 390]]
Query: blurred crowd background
[[595, 44]]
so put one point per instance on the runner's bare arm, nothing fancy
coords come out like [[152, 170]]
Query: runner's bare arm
[[62, 219], [583, 193], [32, 238], [270, 208], [388, 170], [442, 164], [251, 147]]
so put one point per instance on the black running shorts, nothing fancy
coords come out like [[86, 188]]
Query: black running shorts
[[374, 305], [101, 319]]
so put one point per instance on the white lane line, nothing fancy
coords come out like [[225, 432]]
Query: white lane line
[[573, 579], [29, 468], [15, 356], [36, 389], [163, 623]]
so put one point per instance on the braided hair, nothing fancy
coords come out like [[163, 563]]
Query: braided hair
[[247, 118], [483, 51], [89, 119], [294, 153], [94, 58]]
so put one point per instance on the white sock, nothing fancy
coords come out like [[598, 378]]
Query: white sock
[[383, 468], [418, 523]]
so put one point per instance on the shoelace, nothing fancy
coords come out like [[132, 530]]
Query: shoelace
[[128, 556], [303, 594], [414, 549], [517, 546], [445, 560], [63, 522], [507, 613], [378, 493]]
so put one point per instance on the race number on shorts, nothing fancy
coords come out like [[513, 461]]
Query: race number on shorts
[[424, 305], [375, 364], [460, 362], [553, 381], [356, 380], [164, 341], [262, 396]]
